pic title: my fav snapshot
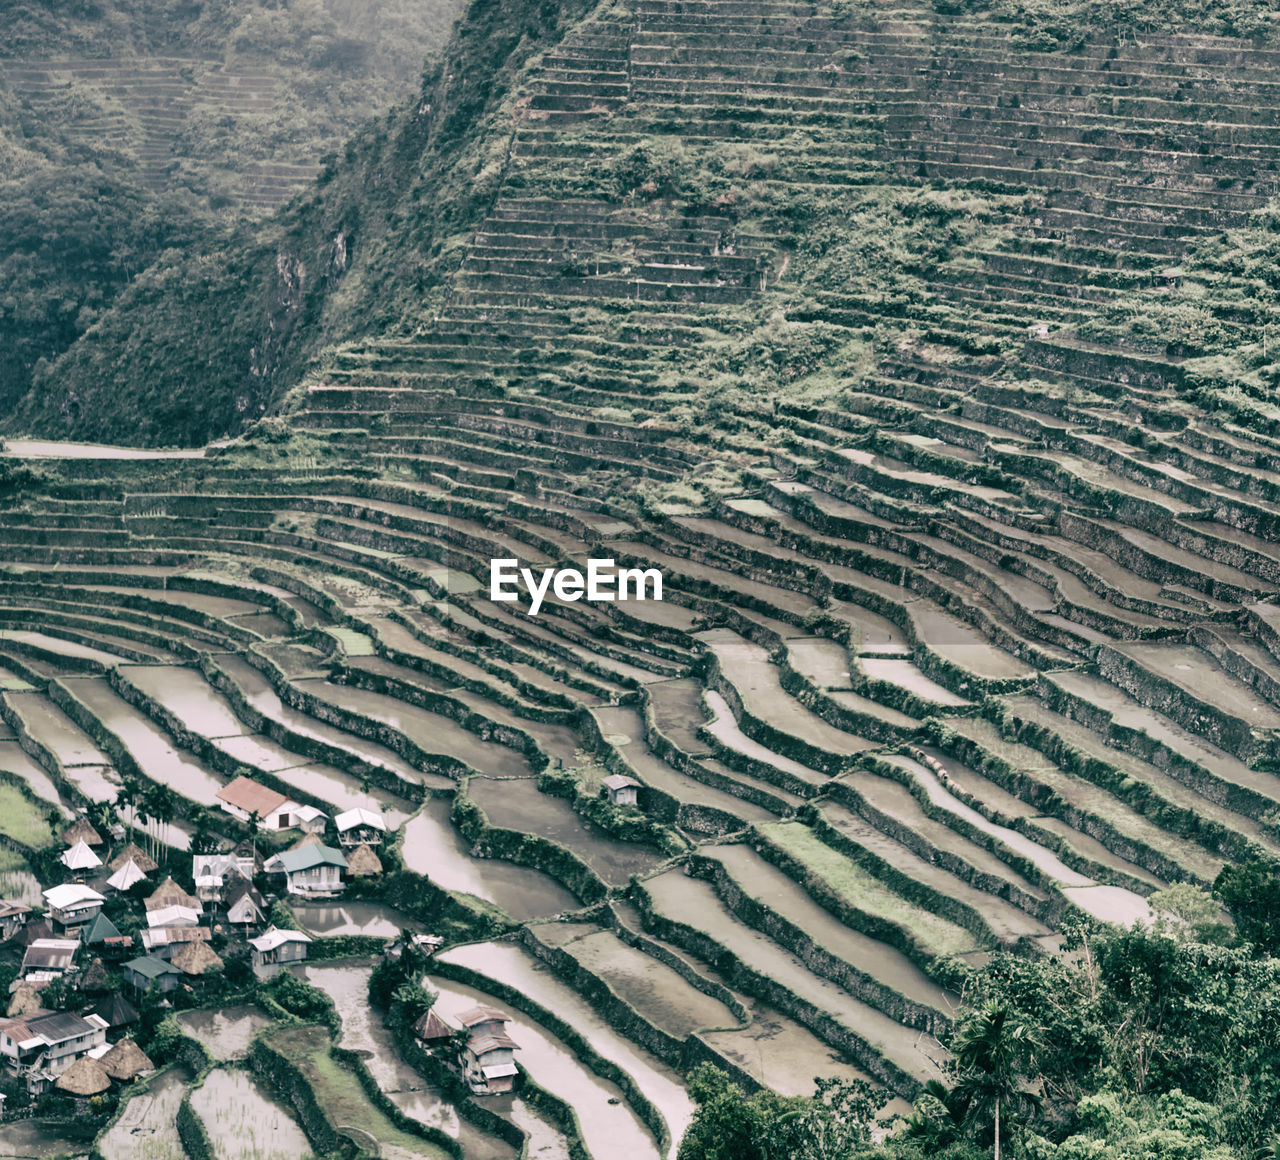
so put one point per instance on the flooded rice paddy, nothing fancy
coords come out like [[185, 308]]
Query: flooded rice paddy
[[146, 1128], [362, 1031], [243, 1121], [519, 805], [550, 1063], [434, 848], [227, 1032]]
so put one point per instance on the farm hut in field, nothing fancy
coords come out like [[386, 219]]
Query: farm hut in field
[[360, 827], [621, 790], [431, 1028]]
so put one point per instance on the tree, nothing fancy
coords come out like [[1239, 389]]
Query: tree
[[1251, 891], [127, 800], [993, 1050], [726, 1125], [159, 803], [830, 1126], [103, 816]]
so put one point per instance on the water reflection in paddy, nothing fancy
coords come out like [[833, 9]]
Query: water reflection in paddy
[[228, 1032], [368, 918], [433, 847]]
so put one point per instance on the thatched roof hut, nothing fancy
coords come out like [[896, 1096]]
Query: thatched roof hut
[[85, 1077], [126, 1060], [136, 854], [25, 1000], [95, 980], [196, 958], [169, 893], [81, 830], [362, 862]]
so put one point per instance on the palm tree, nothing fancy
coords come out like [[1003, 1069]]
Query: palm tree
[[161, 804], [993, 1051], [127, 797]]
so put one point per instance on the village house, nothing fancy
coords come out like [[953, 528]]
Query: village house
[[117, 1012], [85, 1078], [274, 947], [126, 1061], [49, 958], [244, 797], [360, 827], [164, 941], [42, 1045], [169, 893], [129, 875], [148, 971], [81, 830], [134, 853], [245, 906], [487, 1058], [72, 905], [622, 790], [13, 917], [310, 820], [104, 933], [213, 874], [313, 870]]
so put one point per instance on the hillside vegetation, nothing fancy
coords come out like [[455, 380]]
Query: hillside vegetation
[[131, 128], [934, 372]]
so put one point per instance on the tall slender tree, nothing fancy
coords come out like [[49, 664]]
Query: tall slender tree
[[994, 1051]]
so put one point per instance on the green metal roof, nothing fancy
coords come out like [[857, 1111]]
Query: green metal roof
[[151, 967], [294, 861], [101, 929]]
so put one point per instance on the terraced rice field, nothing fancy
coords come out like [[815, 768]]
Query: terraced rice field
[[989, 643]]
